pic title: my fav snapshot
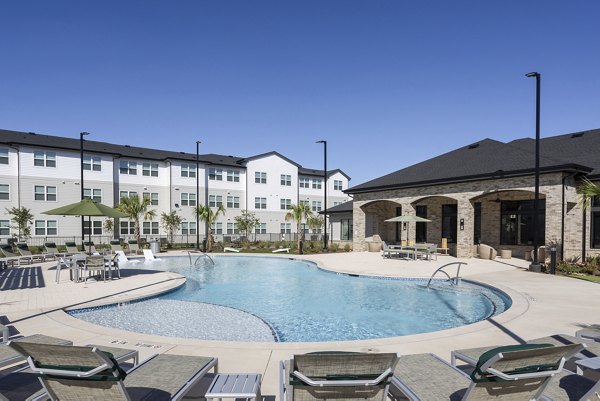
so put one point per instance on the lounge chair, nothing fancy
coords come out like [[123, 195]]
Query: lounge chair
[[148, 255], [90, 248], [592, 332], [506, 373], [133, 245], [72, 248], [286, 250], [77, 373], [52, 249], [230, 249], [23, 250], [337, 375], [115, 245], [486, 252], [444, 248], [7, 250], [5, 332], [9, 356]]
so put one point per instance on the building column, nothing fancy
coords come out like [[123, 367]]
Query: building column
[[464, 228], [358, 228]]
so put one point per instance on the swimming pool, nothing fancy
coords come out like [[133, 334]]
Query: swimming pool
[[278, 299]]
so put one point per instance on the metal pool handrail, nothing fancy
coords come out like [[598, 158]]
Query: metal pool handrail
[[201, 254], [455, 280]]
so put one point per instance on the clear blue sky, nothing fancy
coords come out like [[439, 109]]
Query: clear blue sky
[[387, 83]]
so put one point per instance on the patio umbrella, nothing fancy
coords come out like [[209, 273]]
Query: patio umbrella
[[407, 218], [87, 207]]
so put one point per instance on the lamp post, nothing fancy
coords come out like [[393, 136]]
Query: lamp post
[[81, 135], [325, 197], [197, 195], [535, 265]]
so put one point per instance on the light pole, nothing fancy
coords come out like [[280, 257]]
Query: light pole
[[325, 197], [535, 265], [197, 195], [81, 135]]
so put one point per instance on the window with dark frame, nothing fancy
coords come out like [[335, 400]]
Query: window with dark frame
[[595, 223], [449, 216], [516, 222], [421, 227], [346, 229], [477, 223]]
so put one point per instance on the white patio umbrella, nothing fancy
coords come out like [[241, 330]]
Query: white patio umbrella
[[407, 218]]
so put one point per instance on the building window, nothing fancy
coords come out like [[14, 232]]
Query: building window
[[285, 228], [215, 174], [233, 176], [44, 159], [233, 202], [217, 228], [127, 167], [260, 203], [261, 228], [45, 227], [188, 228], [150, 227], [4, 227], [449, 216], [188, 199], [153, 196], [337, 185], [96, 227], [215, 200], [304, 203], [316, 183], [92, 163], [421, 228], [303, 182], [232, 228], [44, 193], [127, 227], [94, 194], [286, 180], [188, 170], [4, 192], [346, 234], [150, 169], [477, 223], [595, 226], [3, 156], [286, 204], [260, 178], [316, 206], [516, 222], [127, 194]]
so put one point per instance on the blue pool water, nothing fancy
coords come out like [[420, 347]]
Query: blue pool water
[[275, 299]]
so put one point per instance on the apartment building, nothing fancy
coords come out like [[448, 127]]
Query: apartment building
[[42, 172]]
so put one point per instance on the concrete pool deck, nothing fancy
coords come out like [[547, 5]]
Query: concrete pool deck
[[542, 305]]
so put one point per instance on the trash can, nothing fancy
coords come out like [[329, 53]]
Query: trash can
[[154, 246]]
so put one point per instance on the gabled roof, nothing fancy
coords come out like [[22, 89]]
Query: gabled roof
[[273, 153], [488, 159], [319, 173], [345, 207]]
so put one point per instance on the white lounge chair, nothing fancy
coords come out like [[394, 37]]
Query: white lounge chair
[[229, 249], [287, 250], [148, 255]]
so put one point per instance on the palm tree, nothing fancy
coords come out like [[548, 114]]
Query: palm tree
[[22, 217], [136, 209], [205, 213], [171, 222], [587, 190], [297, 213]]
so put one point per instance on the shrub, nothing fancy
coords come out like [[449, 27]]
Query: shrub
[[334, 247], [347, 248]]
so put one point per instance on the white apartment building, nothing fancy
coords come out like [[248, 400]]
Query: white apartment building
[[42, 172]]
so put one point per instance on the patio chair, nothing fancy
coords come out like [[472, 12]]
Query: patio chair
[[94, 264], [336, 375], [10, 256], [52, 249], [9, 357], [444, 248], [78, 373], [486, 252], [506, 373], [133, 245], [592, 332], [72, 248], [23, 250]]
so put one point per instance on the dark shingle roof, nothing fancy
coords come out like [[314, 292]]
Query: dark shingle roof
[[490, 158], [345, 207], [319, 173]]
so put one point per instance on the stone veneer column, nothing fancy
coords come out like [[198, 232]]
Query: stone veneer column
[[464, 240], [358, 227]]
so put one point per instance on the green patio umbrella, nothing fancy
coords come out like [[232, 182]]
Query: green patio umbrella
[[407, 218], [86, 207]]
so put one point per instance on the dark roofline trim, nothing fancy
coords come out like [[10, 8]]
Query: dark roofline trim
[[330, 173], [479, 177], [272, 153]]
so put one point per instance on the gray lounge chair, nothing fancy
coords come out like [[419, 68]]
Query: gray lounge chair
[[23, 250], [9, 356], [72, 248], [7, 250], [52, 249], [514, 373], [90, 248], [592, 332], [87, 373], [336, 375], [115, 245], [133, 245]]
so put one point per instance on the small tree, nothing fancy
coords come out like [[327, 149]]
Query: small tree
[[315, 222], [246, 222], [109, 226], [205, 213], [171, 222], [297, 213], [136, 209], [22, 217]]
